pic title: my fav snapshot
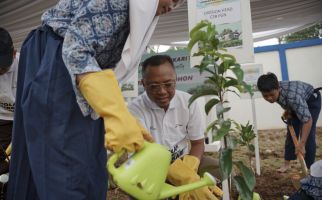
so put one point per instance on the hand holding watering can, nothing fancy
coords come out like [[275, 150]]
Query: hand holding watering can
[[144, 174]]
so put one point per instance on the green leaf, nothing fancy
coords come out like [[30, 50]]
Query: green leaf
[[239, 73], [237, 125], [222, 111], [215, 79], [221, 68], [198, 36], [229, 57], [223, 130], [242, 188], [247, 133], [248, 175], [240, 88], [210, 104], [202, 92], [223, 49], [232, 142], [251, 147], [206, 61], [231, 82], [233, 92], [248, 88], [211, 31], [225, 163], [214, 42], [199, 53], [227, 64], [210, 71], [199, 26], [212, 126]]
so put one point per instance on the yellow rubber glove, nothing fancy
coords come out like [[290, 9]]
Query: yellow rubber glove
[[216, 190], [193, 162], [122, 130], [180, 173]]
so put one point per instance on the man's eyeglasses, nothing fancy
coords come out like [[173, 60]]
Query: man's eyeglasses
[[157, 87]]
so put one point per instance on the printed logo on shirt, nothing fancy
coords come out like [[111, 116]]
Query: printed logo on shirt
[[176, 152], [178, 125], [8, 106]]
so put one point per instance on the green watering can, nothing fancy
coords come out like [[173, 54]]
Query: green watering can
[[144, 174]]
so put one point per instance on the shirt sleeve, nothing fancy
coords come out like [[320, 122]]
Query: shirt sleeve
[[89, 30], [196, 125], [300, 108]]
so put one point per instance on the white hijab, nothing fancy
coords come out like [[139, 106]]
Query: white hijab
[[142, 24]]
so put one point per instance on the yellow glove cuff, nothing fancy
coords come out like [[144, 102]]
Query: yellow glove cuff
[[192, 161], [103, 94], [179, 173]]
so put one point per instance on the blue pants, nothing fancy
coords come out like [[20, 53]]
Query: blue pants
[[58, 154], [314, 104]]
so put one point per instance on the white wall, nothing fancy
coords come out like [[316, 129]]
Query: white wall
[[303, 64]]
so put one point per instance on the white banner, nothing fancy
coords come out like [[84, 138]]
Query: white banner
[[233, 24], [219, 13]]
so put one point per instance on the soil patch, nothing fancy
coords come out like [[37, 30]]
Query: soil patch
[[271, 185]]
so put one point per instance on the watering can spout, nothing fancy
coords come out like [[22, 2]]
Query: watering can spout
[[170, 191]]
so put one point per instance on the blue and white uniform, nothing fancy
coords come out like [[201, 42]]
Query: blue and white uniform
[[58, 149], [305, 103]]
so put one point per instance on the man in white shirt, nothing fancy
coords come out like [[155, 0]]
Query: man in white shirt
[[8, 78], [165, 113]]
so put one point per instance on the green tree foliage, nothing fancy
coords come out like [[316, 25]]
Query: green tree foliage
[[224, 76], [312, 32]]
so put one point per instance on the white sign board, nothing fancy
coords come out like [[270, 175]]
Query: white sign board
[[252, 72], [233, 24]]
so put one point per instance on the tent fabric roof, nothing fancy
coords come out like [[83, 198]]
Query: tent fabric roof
[[270, 18]]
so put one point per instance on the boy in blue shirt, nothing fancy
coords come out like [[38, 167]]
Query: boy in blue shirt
[[303, 103]]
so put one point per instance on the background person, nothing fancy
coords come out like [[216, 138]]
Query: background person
[[9, 60], [311, 185], [303, 103]]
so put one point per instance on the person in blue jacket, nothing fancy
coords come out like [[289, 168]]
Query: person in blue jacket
[[68, 96]]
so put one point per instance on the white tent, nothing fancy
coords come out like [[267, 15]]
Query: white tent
[[270, 18]]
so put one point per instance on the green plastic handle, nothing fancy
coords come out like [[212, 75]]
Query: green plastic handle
[[111, 162]]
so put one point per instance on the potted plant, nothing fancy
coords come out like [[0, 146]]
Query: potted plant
[[224, 76]]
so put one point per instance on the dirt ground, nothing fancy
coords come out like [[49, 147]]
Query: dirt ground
[[271, 185]]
